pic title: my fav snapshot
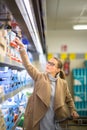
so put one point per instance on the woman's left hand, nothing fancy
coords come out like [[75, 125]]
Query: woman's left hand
[[74, 114]]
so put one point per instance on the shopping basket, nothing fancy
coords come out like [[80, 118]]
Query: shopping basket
[[71, 124]]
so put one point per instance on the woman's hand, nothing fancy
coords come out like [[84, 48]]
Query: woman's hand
[[74, 114], [19, 43]]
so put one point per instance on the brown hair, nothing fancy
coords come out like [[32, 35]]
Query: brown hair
[[60, 65]]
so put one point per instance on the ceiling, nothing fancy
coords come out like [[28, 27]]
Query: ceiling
[[63, 14]]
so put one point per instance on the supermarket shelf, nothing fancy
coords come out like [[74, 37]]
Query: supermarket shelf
[[6, 96], [83, 109], [17, 121], [12, 5], [7, 61]]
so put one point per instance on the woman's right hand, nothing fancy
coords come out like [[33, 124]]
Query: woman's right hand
[[19, 43]]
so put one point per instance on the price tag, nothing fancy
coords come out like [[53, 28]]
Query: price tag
[[50, 55], [85, 56], [72, 56], [63, 56]]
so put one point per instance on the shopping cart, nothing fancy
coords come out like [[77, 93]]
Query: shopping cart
[[71, 124]]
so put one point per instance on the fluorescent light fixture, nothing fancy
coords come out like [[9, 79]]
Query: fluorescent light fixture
[[80, 27], [28, 15]]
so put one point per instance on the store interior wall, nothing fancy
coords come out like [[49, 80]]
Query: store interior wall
[[76, 42]]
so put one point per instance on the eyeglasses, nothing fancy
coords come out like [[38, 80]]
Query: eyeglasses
[[51, 63]]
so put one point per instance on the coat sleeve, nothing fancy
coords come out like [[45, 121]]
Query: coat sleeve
[[69, 100], [32, 70]]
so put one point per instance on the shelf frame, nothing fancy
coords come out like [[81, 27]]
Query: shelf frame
[[7, 61]]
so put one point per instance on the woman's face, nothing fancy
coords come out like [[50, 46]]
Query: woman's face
[[52, 67]]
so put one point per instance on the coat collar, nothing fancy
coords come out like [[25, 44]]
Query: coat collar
[[44, 92]]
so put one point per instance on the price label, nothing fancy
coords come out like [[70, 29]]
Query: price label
[[86, 56], [50, 55], [63, 56], [72, 56]]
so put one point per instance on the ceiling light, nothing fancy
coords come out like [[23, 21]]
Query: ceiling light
[[80, 27]]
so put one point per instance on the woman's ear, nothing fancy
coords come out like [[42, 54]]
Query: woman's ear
[[58, 70]]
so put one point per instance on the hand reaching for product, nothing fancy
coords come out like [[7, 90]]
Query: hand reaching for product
[[19, 43]]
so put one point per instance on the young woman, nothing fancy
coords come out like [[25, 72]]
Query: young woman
[[50, 95]]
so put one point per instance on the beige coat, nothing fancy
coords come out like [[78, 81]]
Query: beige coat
[[39, 102]]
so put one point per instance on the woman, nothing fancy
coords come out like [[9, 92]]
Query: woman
[[50, 95]]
